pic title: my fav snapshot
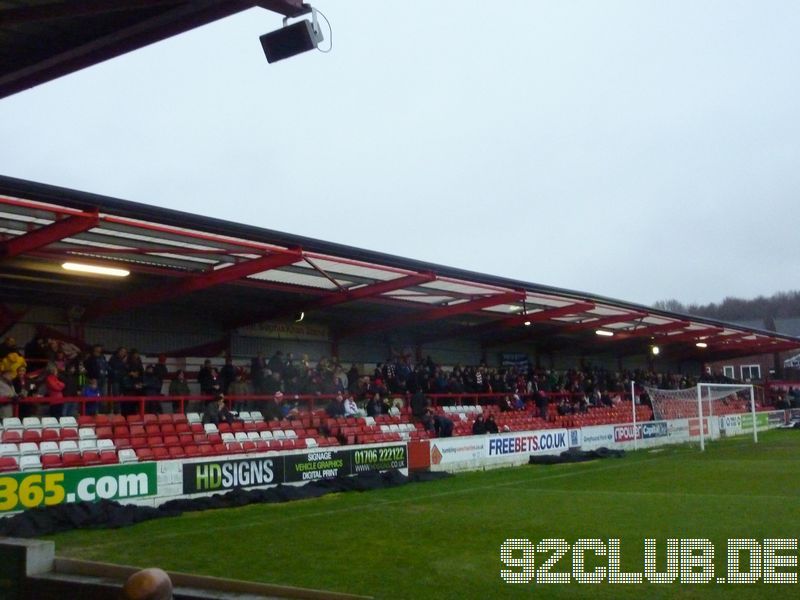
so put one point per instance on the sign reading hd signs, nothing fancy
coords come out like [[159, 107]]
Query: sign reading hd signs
[[223, 474]]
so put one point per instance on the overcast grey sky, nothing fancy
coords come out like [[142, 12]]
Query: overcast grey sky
[[637, 149]]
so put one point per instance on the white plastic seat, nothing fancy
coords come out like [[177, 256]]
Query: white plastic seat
[[245, 416], [278, 434], [30, 462], [228, 437], [253, 436], [290, 434], [87, 433], [49, 448], [127, 455], [50, 423], [105, 445], [369, 420], [210, 428], [29, 448], [255, 415], [193, 417], [311, 442], [266, 435], [68, 422], [12, 423], [385, 429], [87, 445], [31, 423], [68, 446], [241, 436], [394, 428], [9, 450]]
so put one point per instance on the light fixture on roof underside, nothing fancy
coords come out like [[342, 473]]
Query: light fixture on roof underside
[[604, 333], [87, 269], [299, 316]]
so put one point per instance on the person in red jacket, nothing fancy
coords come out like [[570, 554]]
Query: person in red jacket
[[55, 388]]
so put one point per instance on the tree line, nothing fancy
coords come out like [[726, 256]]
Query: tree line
[[767, 309]]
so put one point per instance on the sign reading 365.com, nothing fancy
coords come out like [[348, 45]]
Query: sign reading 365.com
[[19, 491]]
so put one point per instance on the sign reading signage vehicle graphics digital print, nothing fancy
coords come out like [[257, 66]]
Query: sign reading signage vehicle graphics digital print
[[19, 491]]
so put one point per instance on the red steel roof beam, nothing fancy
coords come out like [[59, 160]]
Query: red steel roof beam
[[341, 297], [534, 317], [441, 312], [44, 236], [191, 284], [602, 322], [651, 330], [689, 336]]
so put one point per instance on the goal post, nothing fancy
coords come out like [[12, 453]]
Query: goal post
[[704, 402]]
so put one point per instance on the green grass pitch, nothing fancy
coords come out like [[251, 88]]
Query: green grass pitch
[[442, 539]]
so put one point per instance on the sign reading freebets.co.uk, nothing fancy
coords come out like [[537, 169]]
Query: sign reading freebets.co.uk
[[324, 463], [19, 491]]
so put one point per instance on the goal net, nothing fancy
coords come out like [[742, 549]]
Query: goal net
[[704, 401]]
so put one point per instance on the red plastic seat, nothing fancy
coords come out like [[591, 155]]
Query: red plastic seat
[[102, 420], [31, 435], [91, 457], [104, 433], [168, 429], [72, 459], [176, 452], [150, 419], [152, 428], [155, 441], [161, 453], [185, 439], [182, 428], [234, 447], [137, 431], [13, 436], [108, 457], [51, 461], [8, 464], [122, 432], [51, 435], [171, 441], [249, 447], [206, 450], [144, 454], [219, 448], [164, 419], [69, 433], [86, 421], [192, 451], [122, 443], [117, 420]]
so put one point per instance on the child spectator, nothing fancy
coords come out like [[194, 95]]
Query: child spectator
[[91, 390]]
